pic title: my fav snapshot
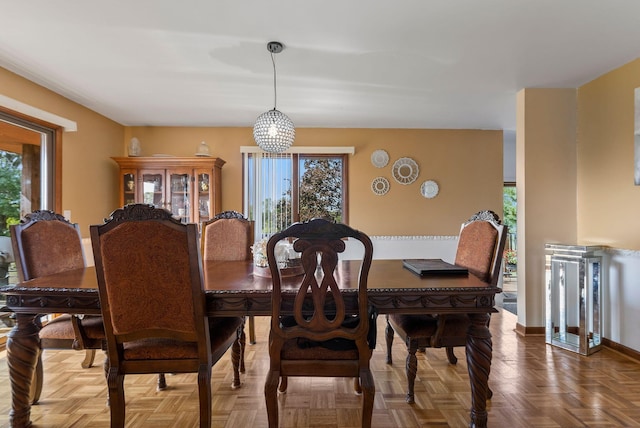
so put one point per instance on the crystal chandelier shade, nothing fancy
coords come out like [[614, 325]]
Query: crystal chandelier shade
[[273, 131]]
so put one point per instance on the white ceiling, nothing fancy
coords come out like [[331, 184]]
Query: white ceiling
[[346, 63]]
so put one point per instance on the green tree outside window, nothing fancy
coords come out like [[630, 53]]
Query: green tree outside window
[[10, 176]]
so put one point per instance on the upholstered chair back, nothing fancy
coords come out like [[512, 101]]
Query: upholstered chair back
[[480, 246], [148, 262], [227, 237], [45, 243], [149, 275]]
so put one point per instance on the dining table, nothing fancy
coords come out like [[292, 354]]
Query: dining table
[[233, 289]]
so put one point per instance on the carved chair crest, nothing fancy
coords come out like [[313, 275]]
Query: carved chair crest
[[140, 212], [486, 215], [42, 215], [229, 215]]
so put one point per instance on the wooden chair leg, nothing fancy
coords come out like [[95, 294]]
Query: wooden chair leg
[[115, 383], [451, 356], [89, 358], [389, 339], [357, 387], [162, 382], [204, 393], [368, 395], [283, 384], [105, 368], [252, 330], [36, 382], [271, 397]]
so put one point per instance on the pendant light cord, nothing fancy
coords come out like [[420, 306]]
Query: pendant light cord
[[275, 92]]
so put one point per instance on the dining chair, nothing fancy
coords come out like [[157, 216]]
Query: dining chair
[[45, 243], [228, 236], [480, 245], [313, 333], [153, 303]]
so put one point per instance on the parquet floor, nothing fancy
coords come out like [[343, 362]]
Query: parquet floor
[[534, 385]]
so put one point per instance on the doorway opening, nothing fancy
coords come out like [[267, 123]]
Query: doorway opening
[[510, 256]]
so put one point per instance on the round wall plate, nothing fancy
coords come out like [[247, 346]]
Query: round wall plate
[[380, 186], [429, 189], [405, 170], [379, 158]]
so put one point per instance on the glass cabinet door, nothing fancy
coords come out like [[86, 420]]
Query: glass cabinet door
[[129, 187], [204, 196], [189, 188], [180, 196], [153, 188]]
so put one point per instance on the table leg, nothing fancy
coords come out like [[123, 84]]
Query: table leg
[[23, 348], [479, 350]]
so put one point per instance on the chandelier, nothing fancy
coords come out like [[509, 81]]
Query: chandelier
[[274, 131]]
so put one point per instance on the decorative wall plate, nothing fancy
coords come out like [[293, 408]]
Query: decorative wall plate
[[429, 189], [380, 186], [379, 158], [405, 170]]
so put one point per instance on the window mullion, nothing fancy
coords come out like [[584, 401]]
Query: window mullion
[[295, 187]]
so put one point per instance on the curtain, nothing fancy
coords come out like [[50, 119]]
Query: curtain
[[268, 191]]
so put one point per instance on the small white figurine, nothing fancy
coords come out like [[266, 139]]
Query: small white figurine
[[203, 149], [134, 147]]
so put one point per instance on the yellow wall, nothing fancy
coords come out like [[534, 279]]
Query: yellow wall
[[608, 201], [88, 189], [466, 164], [546, 177]]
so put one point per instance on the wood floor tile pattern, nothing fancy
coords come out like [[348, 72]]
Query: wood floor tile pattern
[[534, 385]]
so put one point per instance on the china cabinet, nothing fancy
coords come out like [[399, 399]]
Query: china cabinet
[[189, 187]]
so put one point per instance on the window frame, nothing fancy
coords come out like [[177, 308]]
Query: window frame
[[297, 158], [51, 155], [299, 153]]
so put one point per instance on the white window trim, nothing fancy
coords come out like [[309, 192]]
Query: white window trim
[[15, 105]]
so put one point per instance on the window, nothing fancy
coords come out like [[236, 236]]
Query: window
[[321, 187], [27, 183], [301, 184]]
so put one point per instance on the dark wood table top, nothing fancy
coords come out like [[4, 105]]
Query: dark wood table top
[[385, 275], [391, 288]]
